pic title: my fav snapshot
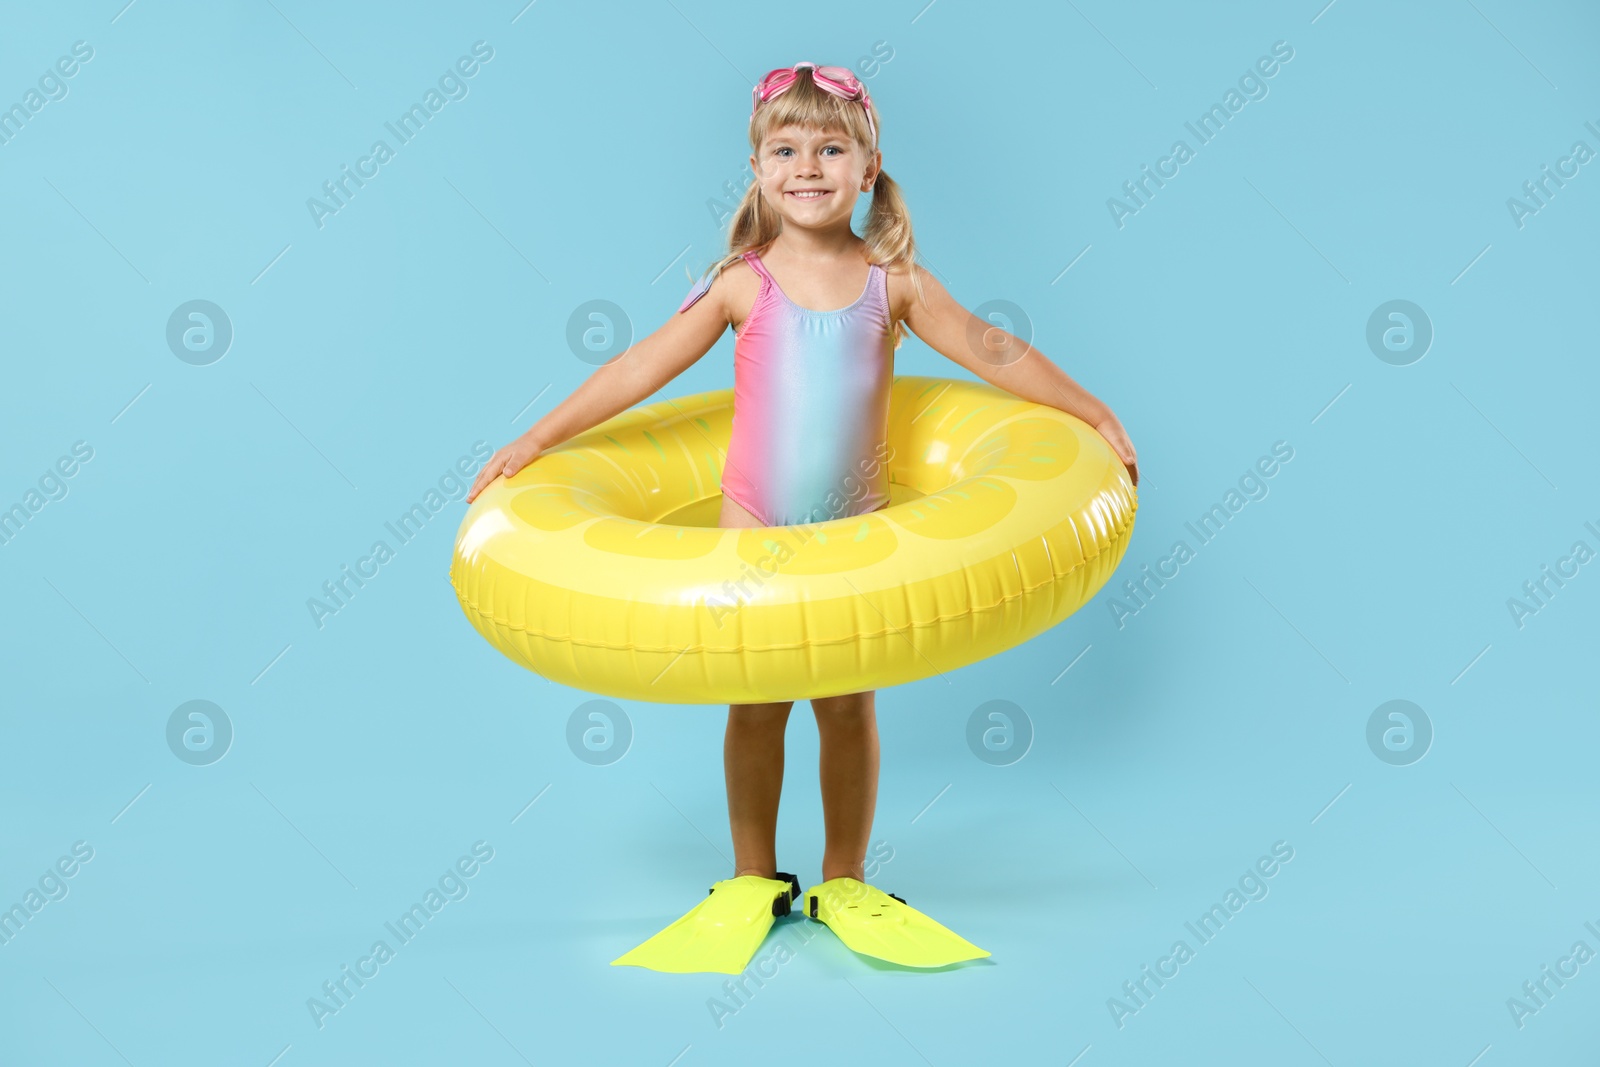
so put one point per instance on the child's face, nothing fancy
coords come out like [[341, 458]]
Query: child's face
[[796, 158]]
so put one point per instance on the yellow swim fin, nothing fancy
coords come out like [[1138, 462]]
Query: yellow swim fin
[[879, 924], [722, 932]]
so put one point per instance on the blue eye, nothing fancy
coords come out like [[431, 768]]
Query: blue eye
[[827, 148]]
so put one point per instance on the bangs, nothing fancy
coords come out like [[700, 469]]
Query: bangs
[[804, 104]]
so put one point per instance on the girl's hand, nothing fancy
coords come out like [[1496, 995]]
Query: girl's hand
[[1111, 429], [507, 461]]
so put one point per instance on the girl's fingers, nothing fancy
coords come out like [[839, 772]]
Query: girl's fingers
[[490, 471], [1124, 449], [484, 476], [518, 457], [504, 463]]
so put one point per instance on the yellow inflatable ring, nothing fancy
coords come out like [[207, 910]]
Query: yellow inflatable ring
[[600, 565]]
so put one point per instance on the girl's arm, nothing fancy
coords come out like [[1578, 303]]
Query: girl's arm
[[617, 386], [1008, 363]]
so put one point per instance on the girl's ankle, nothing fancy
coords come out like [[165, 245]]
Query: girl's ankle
[[829, 873], [761, 872]]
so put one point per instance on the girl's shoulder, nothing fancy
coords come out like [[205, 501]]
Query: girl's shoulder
[[733, 276], [906, 283]]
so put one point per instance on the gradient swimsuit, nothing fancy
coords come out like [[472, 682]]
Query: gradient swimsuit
[[811, 404]]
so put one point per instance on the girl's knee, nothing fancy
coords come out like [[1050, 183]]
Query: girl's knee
[[846, 708], [774, 713]]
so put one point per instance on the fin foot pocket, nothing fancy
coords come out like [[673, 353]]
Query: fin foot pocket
[[721, 933], [884, 926]]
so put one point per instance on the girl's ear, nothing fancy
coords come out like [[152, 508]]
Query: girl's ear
[[874, 166]]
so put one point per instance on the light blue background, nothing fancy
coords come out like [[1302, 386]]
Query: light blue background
[[369, 354]]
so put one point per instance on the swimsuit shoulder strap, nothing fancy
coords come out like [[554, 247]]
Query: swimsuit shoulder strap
[[701, 286], [756, 265], [880, 278]]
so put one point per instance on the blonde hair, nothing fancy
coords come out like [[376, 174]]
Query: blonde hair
[[755, 225]]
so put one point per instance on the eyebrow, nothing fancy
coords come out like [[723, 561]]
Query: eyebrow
[[826, 139]]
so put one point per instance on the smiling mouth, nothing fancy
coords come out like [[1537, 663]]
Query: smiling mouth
[[808, 194]]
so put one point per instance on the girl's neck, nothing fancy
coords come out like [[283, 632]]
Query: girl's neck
[[803, 244]]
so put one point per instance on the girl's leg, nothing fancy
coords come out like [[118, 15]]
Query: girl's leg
[[848, 729], [752, 760]]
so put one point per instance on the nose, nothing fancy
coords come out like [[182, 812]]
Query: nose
[[808, 164]]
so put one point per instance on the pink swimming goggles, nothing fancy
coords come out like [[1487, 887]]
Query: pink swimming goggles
[[836, 80]]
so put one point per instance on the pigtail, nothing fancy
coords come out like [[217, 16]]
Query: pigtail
[[754, 226], [888, 233]]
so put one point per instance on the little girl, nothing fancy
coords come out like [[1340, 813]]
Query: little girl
[[818, 313]]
